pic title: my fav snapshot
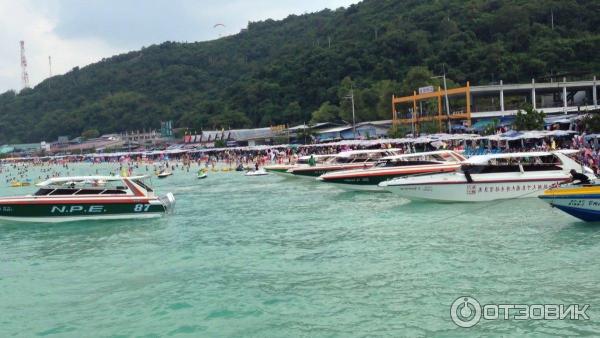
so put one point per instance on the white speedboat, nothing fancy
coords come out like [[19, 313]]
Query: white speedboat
[[354, 159], [303, 161], [395, 166], [87, 198], [259, 172], [491, 177]]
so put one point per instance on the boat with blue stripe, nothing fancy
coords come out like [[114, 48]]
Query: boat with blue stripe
[[581, 201]]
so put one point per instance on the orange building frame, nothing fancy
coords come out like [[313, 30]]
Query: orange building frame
[[440, 117]]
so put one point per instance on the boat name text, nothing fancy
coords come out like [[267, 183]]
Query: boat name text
[[77, 209]]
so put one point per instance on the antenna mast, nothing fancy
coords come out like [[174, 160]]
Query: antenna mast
[[49, 66], [24, 75]]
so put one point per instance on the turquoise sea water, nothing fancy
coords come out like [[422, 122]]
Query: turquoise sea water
[[278, 257]]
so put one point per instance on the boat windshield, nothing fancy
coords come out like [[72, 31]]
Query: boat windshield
[[143, 184], [415, 160], [402, 163], [575, 157], [318, 159], [84, 187], [515, 164], [362, 157]]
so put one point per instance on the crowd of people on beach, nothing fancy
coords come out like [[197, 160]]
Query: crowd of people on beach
[[249, 158]]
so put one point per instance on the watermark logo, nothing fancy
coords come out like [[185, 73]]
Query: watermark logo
[[466, 311]]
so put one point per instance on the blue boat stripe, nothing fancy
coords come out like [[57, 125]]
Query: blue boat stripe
[[583, 214]]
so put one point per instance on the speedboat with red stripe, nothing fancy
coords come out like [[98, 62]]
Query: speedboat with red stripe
[[395, 166], [87, 198], [354, 159], [492, 177], [303, 161]]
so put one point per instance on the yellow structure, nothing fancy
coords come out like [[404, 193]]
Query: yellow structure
[[441, 116]]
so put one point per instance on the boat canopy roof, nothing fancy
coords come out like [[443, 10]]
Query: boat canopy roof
[[84, 179], [484, 159], [366, 151], [315, 156], [427, 153]]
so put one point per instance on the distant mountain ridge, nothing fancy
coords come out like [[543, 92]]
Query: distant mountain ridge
[[278, 72]]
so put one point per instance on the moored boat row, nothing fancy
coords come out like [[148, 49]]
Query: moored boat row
[[447, 176], [441, 176]]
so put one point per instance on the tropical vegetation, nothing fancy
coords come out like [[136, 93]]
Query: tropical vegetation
[[303, 68]]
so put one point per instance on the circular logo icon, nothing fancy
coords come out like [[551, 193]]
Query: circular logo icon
[[465, 311]]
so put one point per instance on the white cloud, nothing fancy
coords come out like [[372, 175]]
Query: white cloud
[[23, 21], [77, 32]]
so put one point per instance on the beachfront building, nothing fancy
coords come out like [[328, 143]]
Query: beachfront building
[[80, 146], [142, 138], [364, 130], [471, 104], [24, 148], [235, 137], [279, 134]]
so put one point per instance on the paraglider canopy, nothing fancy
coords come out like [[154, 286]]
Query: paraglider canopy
[[220, 27]]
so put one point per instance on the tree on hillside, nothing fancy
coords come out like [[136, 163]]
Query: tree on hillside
[[90, 134], [417, 77], [386, 89], [491, 128], [591, 122], [398, 131], [292, 113], [345, 89], [326, 113], [530, 119], [256, 77], [230, 119]]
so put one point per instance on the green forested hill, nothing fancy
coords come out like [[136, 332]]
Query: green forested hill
[[287, 71]]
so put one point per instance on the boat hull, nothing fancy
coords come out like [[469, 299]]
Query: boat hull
[[369, 179], [582, 202], [317, 171], [280, 170], [256, 173], [79, 218], [63, 211], [586, 209], [490, 177], [355, 186], [367, 183], [474, 192]]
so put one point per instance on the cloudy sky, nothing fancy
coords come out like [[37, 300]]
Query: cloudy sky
[[80, 32]]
